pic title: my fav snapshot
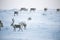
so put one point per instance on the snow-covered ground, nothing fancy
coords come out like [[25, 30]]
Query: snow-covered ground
[[42, 26]]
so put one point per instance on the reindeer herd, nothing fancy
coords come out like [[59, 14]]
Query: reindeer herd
[[21, 24]]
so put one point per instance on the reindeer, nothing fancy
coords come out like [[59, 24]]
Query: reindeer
[[29, 18], [23, 9], [45, 9], [1, 25], [15, 13], [32, 9], [20, 25], [57, 10], [16, 25]]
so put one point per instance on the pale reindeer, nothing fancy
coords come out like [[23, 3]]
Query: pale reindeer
[[23, 24], [1, 25]]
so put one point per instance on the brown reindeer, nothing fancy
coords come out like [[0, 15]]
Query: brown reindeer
[[32, 9], [16, 25], [1, 25], [20, 25], [23, 9]]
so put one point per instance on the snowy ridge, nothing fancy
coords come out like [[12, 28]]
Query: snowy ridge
[[42, 26]]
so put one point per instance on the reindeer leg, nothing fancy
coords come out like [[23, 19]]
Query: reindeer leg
[[17, 13], [14, 14], [24, 27], [0, 28], [20, 29], [14, 29]]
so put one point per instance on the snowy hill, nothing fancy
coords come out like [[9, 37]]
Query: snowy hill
[[42, 26]]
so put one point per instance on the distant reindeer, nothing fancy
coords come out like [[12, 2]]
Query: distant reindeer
[[1, 25], [45, 9], [32, 9], [23, 9], [15, 13], [58, 10], [29, 18]]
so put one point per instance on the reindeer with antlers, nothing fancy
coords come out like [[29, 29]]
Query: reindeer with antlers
[[20, 25]]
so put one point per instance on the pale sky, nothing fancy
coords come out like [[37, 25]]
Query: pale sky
[[39, 4]]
